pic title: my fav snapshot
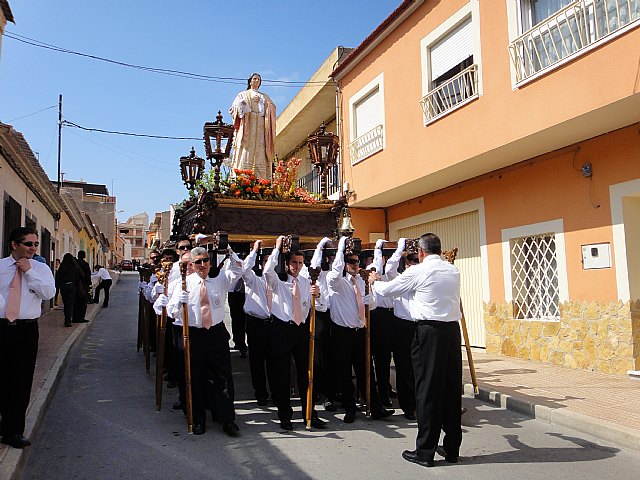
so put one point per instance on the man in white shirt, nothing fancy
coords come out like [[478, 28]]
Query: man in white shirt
[[205, 298], [105, 280], [346, 296], [436, 353], [24, 284], [291, 302], [257, 307]]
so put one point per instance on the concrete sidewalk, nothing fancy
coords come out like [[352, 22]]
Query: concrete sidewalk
[[55, 342], [604, 406]]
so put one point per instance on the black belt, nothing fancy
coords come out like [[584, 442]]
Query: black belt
[[432, 322], [286, 322], [19, 321], [386, 309]]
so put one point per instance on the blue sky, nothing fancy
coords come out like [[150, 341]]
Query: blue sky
[[282, 40]]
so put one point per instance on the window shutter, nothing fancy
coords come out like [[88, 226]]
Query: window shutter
[[452, 50], [368, 112]]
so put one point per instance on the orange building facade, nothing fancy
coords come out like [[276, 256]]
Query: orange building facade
[[511, 129]]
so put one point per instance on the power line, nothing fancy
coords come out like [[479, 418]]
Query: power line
[[30, 114], [68, 123], [162, 71]]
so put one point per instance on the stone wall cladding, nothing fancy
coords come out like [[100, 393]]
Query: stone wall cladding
[[595, 336]]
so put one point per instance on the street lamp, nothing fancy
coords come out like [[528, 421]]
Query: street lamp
[[191, 168], [323, 151], [218, 139]]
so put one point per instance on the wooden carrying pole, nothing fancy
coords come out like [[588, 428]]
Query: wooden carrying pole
[[313, 274], [450, 255], [162, 330], [367, 339], [187, 352]]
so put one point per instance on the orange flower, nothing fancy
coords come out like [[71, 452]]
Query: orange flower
[[237, 193]]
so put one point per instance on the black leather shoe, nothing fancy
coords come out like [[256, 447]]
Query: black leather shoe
[[177, 405], [383, 413], [317, 422], [409, 415], [286, 425], [350, 416], [231, 429], [386, 402], [443, 453], [16, 441], [262, 402], [172, 384], [67, 324], [329, 406], [84, 320], [199, 429], [412, 456]]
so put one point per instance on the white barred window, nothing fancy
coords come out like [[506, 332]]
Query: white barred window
[[534, 277]]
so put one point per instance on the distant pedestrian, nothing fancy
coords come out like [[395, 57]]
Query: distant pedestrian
[[24, 284], [80, 309], [105, 284], [69, 280]]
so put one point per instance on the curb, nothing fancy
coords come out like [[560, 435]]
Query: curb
[[601, 429]]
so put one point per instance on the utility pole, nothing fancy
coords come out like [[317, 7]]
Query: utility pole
[[59, 140]]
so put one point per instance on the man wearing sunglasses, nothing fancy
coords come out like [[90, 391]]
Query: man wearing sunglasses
[[24, 284], [205, 299], [346, 297]]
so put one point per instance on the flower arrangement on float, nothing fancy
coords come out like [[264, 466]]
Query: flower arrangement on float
[[244, 184]]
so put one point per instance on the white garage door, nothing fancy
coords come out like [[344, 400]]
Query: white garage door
[[463, 232]]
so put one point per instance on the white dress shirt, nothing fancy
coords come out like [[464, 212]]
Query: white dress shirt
[[38, 284], [282, 300], [390, 272], [322, 302], [217, 289], [255, 290], [436, 290], [102, 274], [344, 308]]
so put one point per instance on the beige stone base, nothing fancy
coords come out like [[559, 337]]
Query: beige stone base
[[596, 336]]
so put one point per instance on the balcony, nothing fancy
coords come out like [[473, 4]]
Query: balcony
[[451, 95], [311, 181], [569, 32], [367, 144]]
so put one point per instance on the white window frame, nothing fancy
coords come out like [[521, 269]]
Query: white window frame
[[377, 82], [471, 9], [552, 226]]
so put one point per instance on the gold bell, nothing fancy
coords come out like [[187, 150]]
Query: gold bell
[[345, 228]]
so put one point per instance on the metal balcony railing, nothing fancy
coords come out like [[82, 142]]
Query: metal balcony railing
[[450, 95], [568, 32], [366, 145], [311, 181]]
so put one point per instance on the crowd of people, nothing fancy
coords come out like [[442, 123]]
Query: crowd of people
[[414, 304]]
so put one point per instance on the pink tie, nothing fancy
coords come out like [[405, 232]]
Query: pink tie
[[269, 295], [15, 294], [297, 308], [359, 300], [205, 308]]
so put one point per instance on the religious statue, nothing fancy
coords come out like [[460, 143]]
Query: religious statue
[[254, 121]]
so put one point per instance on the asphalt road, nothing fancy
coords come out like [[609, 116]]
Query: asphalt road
[[102, 424]]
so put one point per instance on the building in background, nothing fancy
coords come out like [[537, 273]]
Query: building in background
[[134, 232], [160, 230], [510, 129]]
